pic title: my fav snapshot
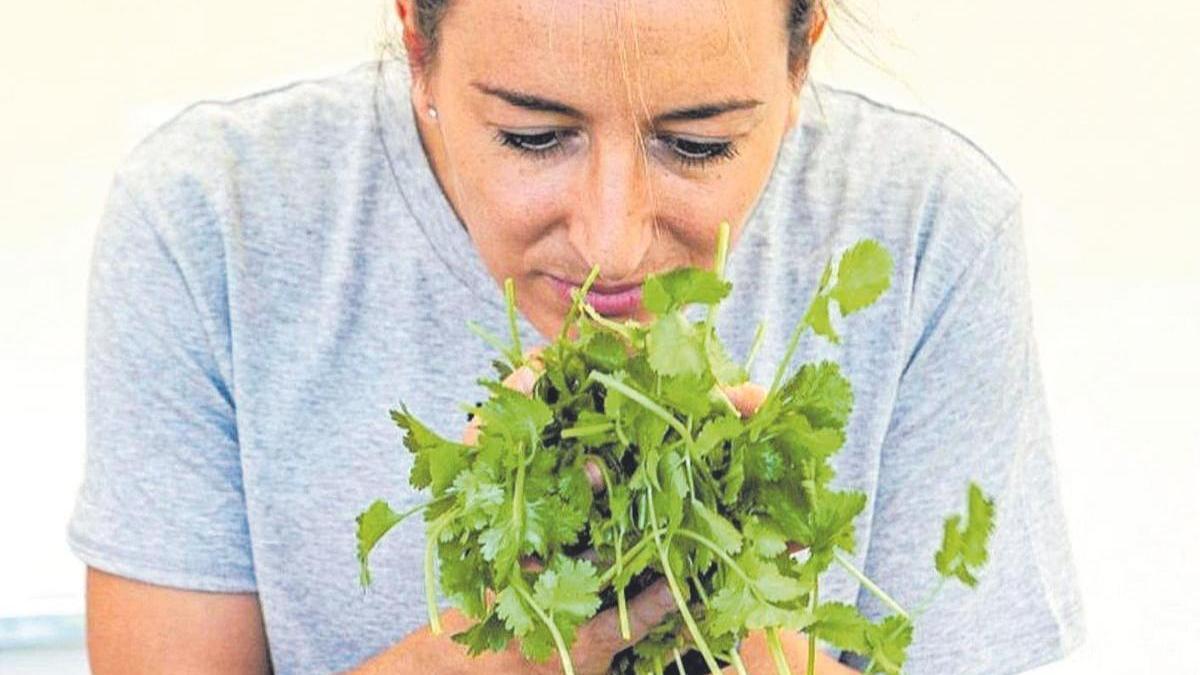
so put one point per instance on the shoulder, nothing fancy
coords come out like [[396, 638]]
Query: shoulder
[[215, 150], [912, 171]]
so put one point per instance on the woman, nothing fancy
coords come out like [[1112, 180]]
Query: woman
[[272, 273]]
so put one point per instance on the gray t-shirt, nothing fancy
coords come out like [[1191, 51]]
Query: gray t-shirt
[[272, 274]]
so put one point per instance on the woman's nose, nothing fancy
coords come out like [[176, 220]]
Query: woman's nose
[[613, 223]]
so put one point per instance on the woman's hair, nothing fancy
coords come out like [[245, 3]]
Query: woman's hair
[[430, 13]]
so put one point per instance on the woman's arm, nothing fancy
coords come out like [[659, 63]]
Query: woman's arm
[[133, 628]]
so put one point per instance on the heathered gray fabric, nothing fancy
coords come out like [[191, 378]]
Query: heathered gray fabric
[[268, 281]]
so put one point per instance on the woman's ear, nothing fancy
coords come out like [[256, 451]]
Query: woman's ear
[[818, 25], [414, 42]]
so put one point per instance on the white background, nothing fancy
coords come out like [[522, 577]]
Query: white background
[[1091, 107]]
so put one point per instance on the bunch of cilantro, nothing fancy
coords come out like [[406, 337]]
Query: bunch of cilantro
[[694, 493]]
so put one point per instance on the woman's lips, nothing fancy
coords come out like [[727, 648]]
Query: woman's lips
[[609, 300]]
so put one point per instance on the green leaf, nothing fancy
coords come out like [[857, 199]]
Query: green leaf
[[462, 575], [821, 393], [675, 347], [723, 367], [512, 416], [568, 589], [715, 432], [863, 274], [768, 540], [606, 351], [964, 551], [664, 293], [372, 525], [488, 635], [717, 528], [511, 608], [888, 644], [479, 496], [687, 394], [499, 543], [817, 317], [843, 626], [437, 461]]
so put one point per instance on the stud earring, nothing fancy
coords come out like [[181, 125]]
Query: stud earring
[[433, 112]]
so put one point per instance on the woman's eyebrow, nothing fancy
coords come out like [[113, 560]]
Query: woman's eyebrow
[[539, 104], [708, 110], [529, 101]]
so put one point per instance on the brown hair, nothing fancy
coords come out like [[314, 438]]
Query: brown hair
[[422, 49]]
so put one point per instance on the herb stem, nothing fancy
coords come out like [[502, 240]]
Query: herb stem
[[719, 269], [870, 585], [812, 633], [632, 553], [510, 299], [710, 545], [754, 346], [577, 299], [644, 401], [781, 664], [564, 654], [737, 661], [431, 541], [709, 659]]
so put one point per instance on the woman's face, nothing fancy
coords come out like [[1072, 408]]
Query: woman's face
[[618, 134]]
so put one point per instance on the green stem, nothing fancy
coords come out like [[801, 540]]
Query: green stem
[[754, 346], [737, 661], [729, 562], [577, 300], [431, 542], [719, 269], [644, 401], [870, 585], [701, 644], [622, 607], [781, 664], [510, 299], [632, 553], [787, 358], [812, 632], [576, 432], [611, 325], [563, 653], [679, 662]]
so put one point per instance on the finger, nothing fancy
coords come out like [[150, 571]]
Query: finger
[[532, 563], [646, 610], [746, 397], [595, 474], [522, 379]]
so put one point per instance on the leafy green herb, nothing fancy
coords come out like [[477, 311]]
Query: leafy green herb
[[693, 492]]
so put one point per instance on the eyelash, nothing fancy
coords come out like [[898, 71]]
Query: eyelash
[[546, 144]]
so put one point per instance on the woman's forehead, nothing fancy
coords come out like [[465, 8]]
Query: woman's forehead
[[669, 51]]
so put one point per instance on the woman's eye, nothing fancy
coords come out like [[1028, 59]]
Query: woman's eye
[[700, 152], [539, 144]]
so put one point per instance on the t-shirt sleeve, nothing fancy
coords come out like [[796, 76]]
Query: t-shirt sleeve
[[162, 498], [971, 406]]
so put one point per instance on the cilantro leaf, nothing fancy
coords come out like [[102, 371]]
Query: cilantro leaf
[[488, 635], [964, 551], [863, 274], [437, 461], [843, 626], [664, 293], [675, 347], [372, 525], [569, 589], [821, 393]]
